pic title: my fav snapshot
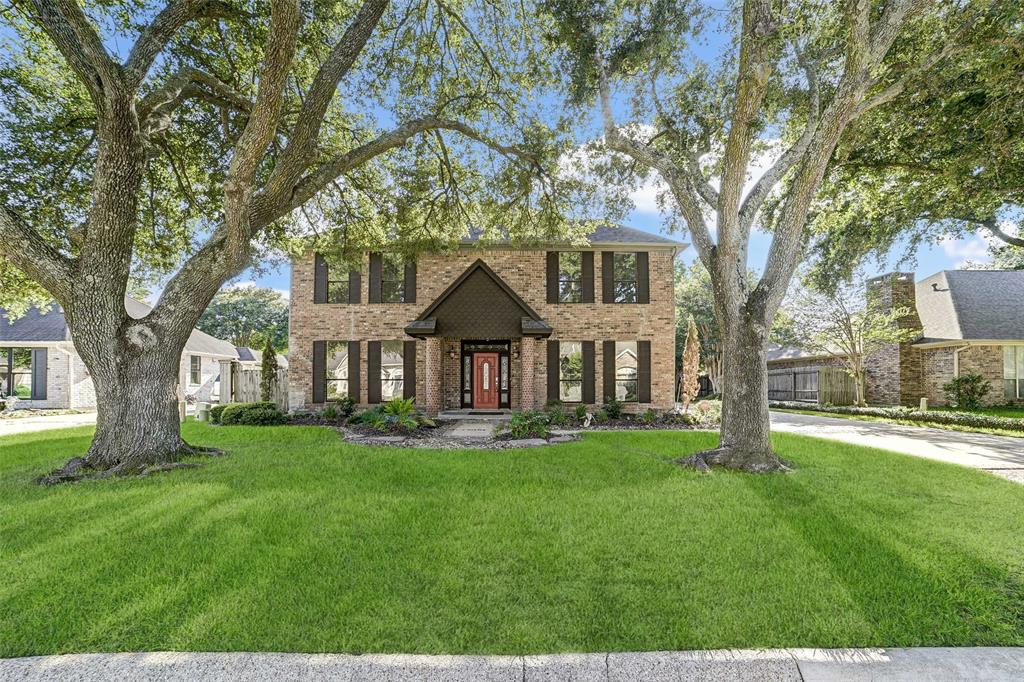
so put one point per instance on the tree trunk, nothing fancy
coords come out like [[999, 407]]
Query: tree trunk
[[135, 373], [137, 417], [745, 433]]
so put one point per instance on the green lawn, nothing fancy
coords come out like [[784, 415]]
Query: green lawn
[[298, 542]]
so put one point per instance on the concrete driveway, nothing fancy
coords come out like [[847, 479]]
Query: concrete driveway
[[1003, 455], [9, 427]]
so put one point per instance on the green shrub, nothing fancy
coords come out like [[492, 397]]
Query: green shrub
[[581, 412], [330, 413], [601, 416], [529, 424], [968, 419], [649, 416], [966, 391], [251, 414], [613, 408], [345, 406], [216, 411], [708, 411], [366, 416], [399, 414], [557, 416]]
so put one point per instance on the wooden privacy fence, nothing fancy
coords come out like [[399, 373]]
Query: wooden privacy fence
[[822, 385], [245, 385]]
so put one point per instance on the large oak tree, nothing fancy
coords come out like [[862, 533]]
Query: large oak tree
[[795, 75], [190, 153]]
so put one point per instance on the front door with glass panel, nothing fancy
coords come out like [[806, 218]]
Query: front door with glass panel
[[485, 380]]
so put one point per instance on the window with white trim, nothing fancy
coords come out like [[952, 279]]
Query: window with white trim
[[1013, 372], [570, 371], [195, 370], [625, 371], [392, 369], [337, 370], [16, 372]]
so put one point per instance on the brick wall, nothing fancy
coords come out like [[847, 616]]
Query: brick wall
[[524, 271], [893, 375]]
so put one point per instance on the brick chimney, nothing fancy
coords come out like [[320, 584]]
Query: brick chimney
[[893, 374]]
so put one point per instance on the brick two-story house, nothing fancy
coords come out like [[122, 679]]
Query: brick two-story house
[[489, 328]]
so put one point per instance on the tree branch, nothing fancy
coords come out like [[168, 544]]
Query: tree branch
[[269, 208], [755, 198], [76, 39], [683, 188], [189, 82], [302, 143], [161, 30], [30, 253]]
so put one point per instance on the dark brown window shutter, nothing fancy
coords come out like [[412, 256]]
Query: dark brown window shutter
[[588, 372], [355, 281], [409, 369], [375, 272], [643, 371], [643, 278], [608, 368], [353, 369], [608, 277], [373, 371], [39, 374], [319, 279], [588, 276], [553, 370], [319, 371], [552, 271], [409, 295]]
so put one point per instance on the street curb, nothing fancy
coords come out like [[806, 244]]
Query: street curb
[[799, 665]]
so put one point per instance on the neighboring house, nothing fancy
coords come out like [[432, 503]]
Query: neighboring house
[[489, 327], [39, 363], [250, 358], [969, 322]]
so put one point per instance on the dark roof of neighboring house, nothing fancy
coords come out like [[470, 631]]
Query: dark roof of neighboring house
[[972, 305], [51, 326], [35, 325], [606, 234], [246, 354]]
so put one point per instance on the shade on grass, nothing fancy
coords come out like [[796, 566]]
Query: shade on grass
[[299, 542]]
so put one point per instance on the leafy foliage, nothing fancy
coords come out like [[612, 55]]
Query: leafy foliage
[[268, 371], [247, 316], [967, 391], [216, 411], [529, 424], [613, 407], [399, 414], [251, 414]]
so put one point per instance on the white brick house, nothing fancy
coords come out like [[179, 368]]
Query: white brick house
[[39, 363]]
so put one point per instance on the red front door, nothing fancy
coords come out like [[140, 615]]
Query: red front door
[[485, 380]]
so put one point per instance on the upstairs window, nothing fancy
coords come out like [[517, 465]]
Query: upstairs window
[[624, 281], [570, 371], [337, 285], [570, 277], [1013, 372], [195, 370], [16, 373], [392, 282]]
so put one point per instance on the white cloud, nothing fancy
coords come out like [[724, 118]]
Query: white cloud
[[970, 251]]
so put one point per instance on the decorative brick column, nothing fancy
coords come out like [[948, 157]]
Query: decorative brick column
[[528, 380], [433, 376]]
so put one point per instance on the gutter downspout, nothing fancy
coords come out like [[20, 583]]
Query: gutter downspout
[[956, 359]]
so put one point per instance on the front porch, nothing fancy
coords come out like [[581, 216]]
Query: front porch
[[479, 378]]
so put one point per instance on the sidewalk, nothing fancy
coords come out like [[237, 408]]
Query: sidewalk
[[934, 664], [10, 427]]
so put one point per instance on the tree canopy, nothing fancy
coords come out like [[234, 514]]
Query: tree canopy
[[247, 316], [950, 164]]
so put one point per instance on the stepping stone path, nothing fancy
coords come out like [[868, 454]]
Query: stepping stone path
[[472, 430]]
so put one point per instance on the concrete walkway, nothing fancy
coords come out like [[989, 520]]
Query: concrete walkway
[[9, 427], [1002, 455], [807, 665]]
